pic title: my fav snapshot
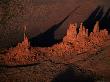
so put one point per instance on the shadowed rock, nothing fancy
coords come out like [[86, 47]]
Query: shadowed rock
[[48, 38], [98, 15]]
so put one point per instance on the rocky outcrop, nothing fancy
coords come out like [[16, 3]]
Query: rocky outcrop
[[71, 33], [77, 40], [19, 53], [98, 36], [22, 48], [82, 41]]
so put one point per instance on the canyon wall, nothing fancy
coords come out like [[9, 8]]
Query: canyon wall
[[39, 16]]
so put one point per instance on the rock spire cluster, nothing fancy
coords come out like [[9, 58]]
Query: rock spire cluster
[[77, 40], [82, 41]]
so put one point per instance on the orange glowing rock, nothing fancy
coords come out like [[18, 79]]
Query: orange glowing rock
[[20, 53], [96, 27], [82, 41], [71, 33], [75, 42], [22, 48], [98, 36]]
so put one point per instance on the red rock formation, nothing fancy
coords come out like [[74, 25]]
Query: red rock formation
[[81, 41], [96, 27], [82, 31], [22, 48], [75, 42], [98, 36], [71, 33], [20, 52]]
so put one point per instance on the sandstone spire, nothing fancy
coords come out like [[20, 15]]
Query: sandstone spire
[[20, 52], [23, 47], [71, 33], [96, 27], [25, 31], [72, 30], [82, 31], [87, 32], [25, 41]]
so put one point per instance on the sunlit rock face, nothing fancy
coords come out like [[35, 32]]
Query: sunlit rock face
[[20, 53], [71, 33], [76, 41], [79, 41], [82, 41], [98, 36], [23, 47]]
